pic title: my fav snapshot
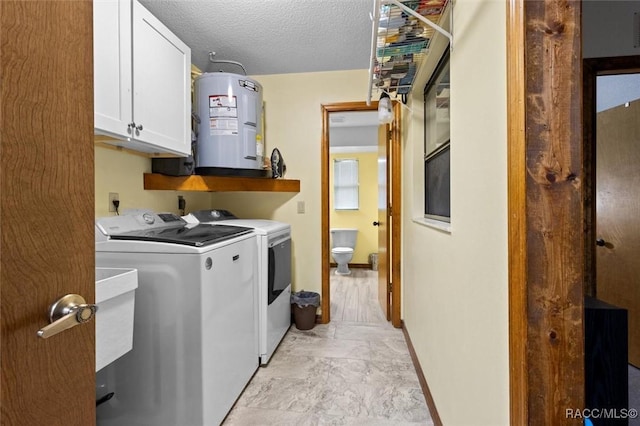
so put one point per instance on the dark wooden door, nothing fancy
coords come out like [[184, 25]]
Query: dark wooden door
[[384, 272], [618, 214], [46, 209]]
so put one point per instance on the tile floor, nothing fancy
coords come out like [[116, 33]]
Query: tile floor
[[353, 371]]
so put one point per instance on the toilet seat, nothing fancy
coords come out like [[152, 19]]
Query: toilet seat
[[341, 250]]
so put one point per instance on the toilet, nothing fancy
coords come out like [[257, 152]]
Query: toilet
[[343, 242]]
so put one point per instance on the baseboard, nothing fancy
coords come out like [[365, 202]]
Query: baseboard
[[423, 381], [353, 265]]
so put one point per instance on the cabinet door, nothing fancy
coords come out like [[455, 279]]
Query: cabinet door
[[112, 66], [161, 84]]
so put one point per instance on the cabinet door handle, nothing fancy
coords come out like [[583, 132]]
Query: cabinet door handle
[[139, 128], [130, 127]]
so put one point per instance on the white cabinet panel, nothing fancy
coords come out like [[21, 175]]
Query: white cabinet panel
[[161, 82], [142, 76], [112, 66]]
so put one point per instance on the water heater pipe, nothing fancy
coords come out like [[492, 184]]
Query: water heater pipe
[[223, 61]]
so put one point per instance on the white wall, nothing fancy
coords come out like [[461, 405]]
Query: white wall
[[608, 28], [455, 285], [294, 126]]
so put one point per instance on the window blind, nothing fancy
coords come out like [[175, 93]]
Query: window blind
[[345, 184]]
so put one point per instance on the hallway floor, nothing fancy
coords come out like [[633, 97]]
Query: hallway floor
[[348, 372]]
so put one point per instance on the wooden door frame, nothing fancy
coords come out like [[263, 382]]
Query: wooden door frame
[[545, 211], [396, 172], [592, 68]]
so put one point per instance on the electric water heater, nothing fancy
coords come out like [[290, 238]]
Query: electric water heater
[[230, 139]]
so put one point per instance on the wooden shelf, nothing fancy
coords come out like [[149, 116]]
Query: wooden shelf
[[157, 181]]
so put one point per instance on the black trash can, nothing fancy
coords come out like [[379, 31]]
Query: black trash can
[[305, 304]]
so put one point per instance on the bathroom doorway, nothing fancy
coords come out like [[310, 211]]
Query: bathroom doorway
[[356, 145]]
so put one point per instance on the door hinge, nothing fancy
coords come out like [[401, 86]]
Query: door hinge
[[390, 287]]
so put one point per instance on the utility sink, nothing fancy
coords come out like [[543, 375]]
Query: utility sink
[[115, 296]]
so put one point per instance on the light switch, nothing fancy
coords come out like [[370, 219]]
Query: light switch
[[300, 207]]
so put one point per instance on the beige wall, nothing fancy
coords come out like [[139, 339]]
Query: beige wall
[[363, 218], [455, 289], [294, 126], [121, 172]]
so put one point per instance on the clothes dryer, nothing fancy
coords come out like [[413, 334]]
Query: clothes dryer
[[274, 274]]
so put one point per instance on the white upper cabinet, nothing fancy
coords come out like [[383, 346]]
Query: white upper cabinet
[[161, 83], [112, 66], [142, 80]]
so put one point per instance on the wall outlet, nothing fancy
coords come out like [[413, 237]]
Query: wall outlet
[[113, 196], [300, 207]]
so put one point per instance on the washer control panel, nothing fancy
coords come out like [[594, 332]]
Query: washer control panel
[[139, 221]]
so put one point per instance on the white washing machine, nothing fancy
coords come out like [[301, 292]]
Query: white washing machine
[[195, 342], [274, 272]]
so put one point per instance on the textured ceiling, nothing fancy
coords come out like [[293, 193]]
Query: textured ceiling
[[271, 36]]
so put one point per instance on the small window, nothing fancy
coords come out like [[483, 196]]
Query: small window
[[437, 144], [345, 184]]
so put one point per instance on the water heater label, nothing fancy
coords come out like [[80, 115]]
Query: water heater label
[[259, 146], [218, 127], [247, 84], [223, 106], [223, 115]]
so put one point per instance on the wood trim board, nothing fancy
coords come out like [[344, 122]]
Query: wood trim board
[[517, 212], [352, 265], [423, 381], [396, 215], [545, 210]]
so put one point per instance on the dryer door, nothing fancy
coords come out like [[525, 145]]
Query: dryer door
[[279, 267]]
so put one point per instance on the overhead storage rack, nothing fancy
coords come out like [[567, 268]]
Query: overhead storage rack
[[401, 34]]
